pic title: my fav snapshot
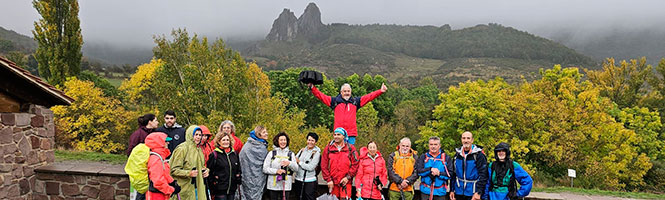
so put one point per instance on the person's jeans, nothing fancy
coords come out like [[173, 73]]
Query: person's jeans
[[224, 197], [140, 196]]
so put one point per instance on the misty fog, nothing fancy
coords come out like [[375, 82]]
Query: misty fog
[[109, 27]]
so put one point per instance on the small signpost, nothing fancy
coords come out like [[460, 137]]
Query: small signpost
[[572, 175]]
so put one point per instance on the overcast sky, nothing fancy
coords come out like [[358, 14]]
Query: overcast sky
[[134, 22]]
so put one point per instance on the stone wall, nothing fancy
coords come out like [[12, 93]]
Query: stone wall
[[81, 181], [26, 143]]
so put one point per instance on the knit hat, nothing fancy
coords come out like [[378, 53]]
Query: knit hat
[[341, 130]]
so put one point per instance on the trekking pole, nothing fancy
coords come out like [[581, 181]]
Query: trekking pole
[[401, 193]]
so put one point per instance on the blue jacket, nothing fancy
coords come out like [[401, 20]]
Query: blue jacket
[[425, 163], [471, 171], [501, 192]]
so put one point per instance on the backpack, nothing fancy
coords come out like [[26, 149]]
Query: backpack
[[151, 187], [313, 77], [512, 183], [274, 152], [137, 168], [317, 169], [352, 153]]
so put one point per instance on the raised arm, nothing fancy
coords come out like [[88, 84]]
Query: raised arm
[[322, 97]]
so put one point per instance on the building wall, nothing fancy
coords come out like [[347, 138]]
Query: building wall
[[26, 143]]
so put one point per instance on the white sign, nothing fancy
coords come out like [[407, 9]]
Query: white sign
[[571, 173]]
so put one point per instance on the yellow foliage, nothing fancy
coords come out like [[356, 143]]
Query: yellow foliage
[[140, 83], [93, 122]]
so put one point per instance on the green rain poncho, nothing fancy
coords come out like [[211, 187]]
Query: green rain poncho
[[185, 158]]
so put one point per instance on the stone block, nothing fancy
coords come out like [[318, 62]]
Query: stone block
[[6, 135], [9, 149], [3, 192], [45, 176], [8, 119], [50, 156], [28, 171], [124, 184], [81, 180], [24, 146], [10, 158], [52, 188], [41, 132], [17, 136], [93, 182], [24, 186], [42, 156], [45, 144], [114, 179], [39, 197], [32, 158], [64, 178], [106, 192], [19, 159], [4, 168], [37, 121], [13, 190], [22, 119], [18, 171], [70, 190], [39, 187], [90, 192], [34, 141]]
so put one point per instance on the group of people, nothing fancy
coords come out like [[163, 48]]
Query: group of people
[[194, 164]]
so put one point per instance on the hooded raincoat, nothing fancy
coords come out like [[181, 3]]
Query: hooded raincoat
[[158, 170], [188, 156], [252, 155]]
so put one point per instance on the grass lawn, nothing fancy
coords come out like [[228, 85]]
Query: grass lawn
[[63, 155], [638, 195], [115, 81]]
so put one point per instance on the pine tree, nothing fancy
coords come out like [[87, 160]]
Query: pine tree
[[58, 34]]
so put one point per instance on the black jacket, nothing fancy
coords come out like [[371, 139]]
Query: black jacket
[[225, 173], [176, 132]]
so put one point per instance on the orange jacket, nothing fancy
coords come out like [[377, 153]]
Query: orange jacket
[[158, 170]]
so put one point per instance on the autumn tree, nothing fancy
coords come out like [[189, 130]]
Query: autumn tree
[[58, 35], [206, 83], [93, 122]]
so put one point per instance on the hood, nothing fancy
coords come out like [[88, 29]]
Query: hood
[[189, 133], [252, 135], [364, 153], [175, 125], [156, 141], [502, 146], [206, 131], [474, 149]]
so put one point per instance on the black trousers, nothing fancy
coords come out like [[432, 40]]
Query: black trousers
[[462, 197], [308, 192], [277, 195]]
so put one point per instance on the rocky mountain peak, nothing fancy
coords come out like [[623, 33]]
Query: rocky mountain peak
[[284, 28]]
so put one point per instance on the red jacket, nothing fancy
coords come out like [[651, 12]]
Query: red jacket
[[159, 172], [369, 168], [207, 146], [237, 143], [345, 110], [337, 164]]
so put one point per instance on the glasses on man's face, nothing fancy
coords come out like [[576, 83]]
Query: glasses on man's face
[[169, 118]]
